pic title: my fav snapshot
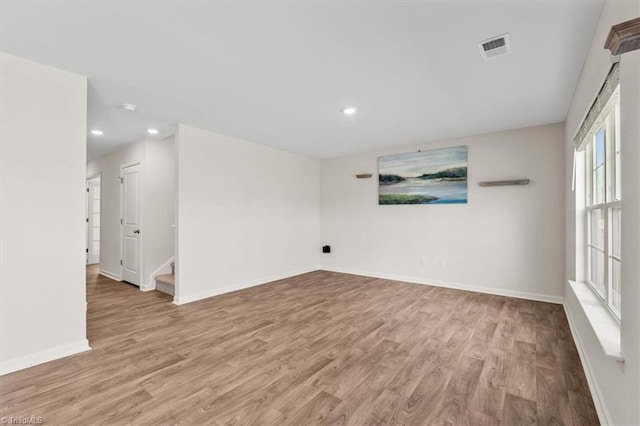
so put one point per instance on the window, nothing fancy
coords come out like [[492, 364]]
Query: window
[[603, 204]]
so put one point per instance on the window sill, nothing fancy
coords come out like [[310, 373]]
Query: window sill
[[605, 327]]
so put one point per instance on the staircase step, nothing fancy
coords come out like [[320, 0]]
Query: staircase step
[[166, 283], [166, 278]]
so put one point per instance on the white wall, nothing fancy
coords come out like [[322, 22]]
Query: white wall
[[42, 208], [158, 208], [506, 240], [158, 204], [615, 388], [247, 214]]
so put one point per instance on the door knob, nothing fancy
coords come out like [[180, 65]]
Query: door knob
[[137, 231]]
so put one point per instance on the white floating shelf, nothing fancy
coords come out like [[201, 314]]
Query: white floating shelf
[[505, 182]]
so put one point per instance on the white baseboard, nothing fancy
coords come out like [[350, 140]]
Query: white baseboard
[[596, 393], [26, 361], [181, 300], [110, 275], [467, 287], [147, 287]]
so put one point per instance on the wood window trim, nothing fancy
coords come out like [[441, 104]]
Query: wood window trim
[[624, 37]]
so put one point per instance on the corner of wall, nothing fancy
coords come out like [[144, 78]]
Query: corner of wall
[[30, 360]]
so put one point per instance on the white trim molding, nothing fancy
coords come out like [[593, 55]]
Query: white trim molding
[[605, 327], [467, 287], [181, 300], [596, 393], [26, 361], [110, 275]]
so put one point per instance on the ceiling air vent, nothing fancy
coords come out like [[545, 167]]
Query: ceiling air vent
[[495, 46]]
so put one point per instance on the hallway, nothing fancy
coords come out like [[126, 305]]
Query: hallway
[[115, 309]]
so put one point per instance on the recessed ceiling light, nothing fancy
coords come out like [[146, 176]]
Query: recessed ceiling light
[[128, 107], [153, 131], [349, 111], [97, 132]]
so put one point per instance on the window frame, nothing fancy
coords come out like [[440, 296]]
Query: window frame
[[608, 119]]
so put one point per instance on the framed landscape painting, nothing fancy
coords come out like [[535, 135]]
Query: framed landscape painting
[[437, 176]]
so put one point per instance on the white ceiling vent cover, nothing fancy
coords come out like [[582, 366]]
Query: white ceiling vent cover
[[495, 46]]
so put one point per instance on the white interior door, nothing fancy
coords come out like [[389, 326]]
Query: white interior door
[[93, 221], [131, 178]]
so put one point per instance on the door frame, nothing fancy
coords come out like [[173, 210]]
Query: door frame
[[141, 235], [86, 237]]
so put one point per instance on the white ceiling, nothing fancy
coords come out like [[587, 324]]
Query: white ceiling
[[279, 73]]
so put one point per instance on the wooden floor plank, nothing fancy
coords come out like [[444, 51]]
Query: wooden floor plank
[[315, 411], [519, 411], [454, 402], [521, 379]]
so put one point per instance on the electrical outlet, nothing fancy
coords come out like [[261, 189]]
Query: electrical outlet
[[423, 260], [443, 263]]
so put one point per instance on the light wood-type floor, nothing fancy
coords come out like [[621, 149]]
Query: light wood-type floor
[[320, 348]]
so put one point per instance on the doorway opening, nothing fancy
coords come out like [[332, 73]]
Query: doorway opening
[[137, 215], [93, 220]]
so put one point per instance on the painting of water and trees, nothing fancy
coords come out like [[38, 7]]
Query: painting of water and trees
[[437, 176]]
